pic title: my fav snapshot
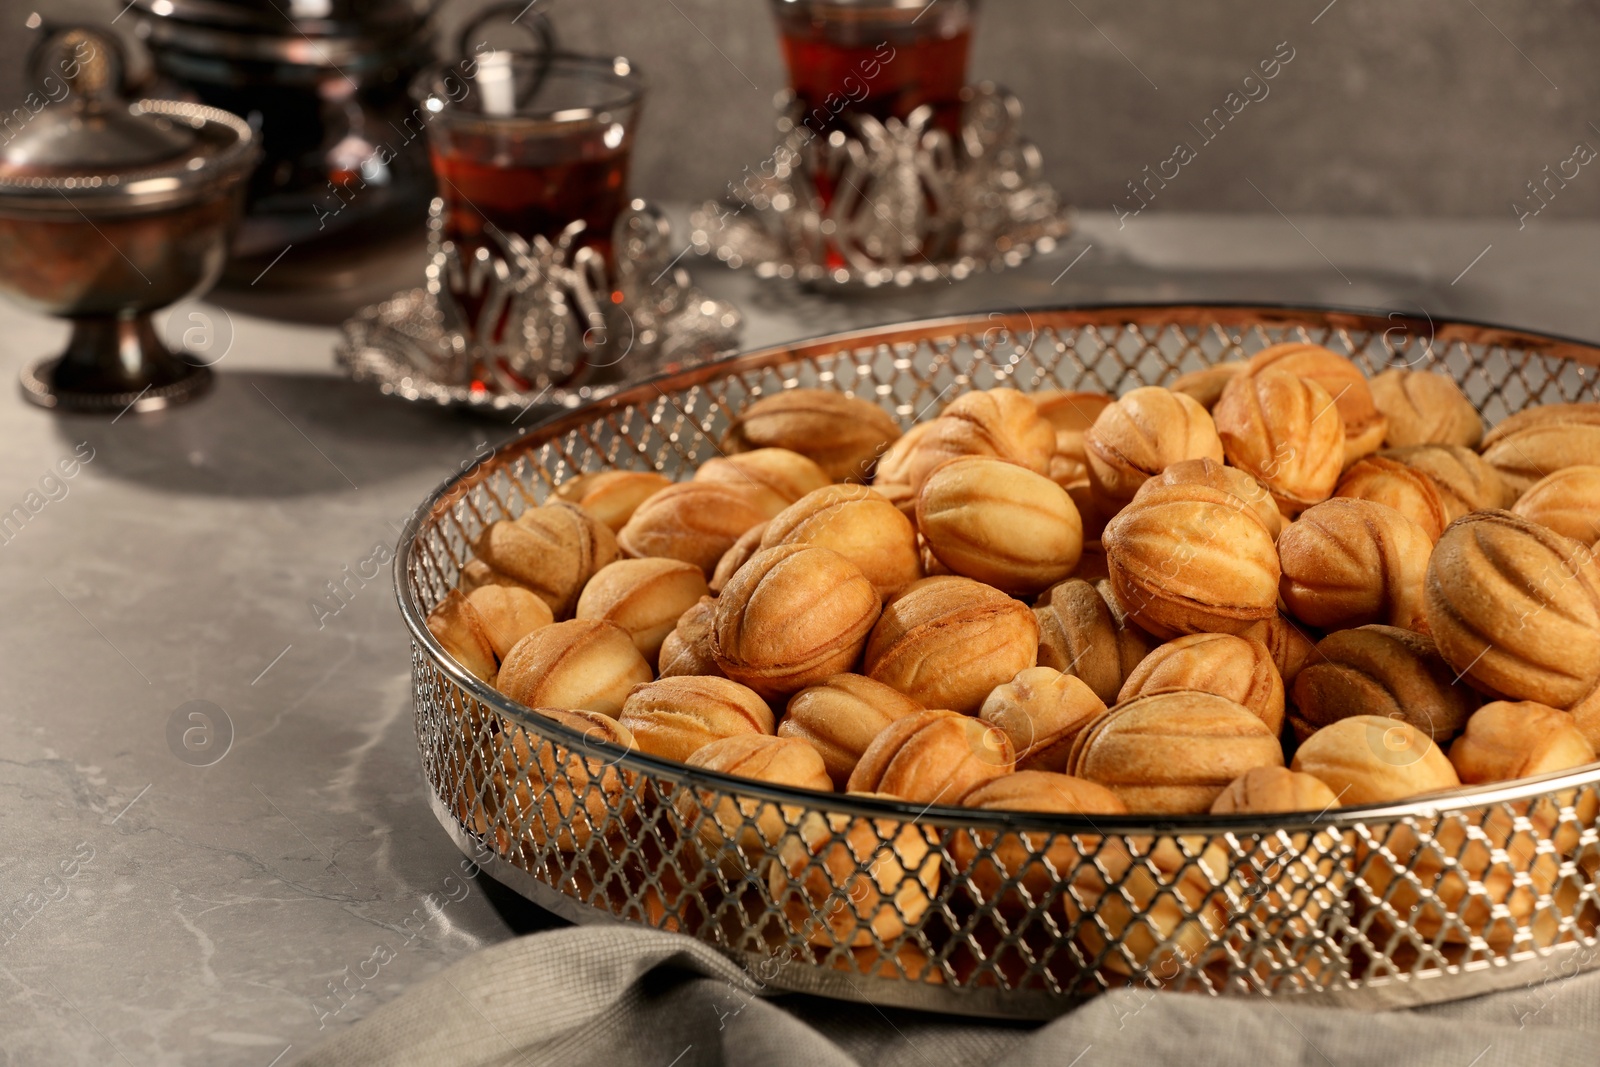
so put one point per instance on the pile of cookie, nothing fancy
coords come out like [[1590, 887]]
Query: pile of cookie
[[1274, 586]]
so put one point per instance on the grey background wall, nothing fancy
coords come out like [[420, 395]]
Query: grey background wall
[[1435, 107]]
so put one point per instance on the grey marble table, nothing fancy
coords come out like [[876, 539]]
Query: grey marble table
[[180, 565]]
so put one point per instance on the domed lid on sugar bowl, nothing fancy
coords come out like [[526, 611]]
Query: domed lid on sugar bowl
[[83, 147]]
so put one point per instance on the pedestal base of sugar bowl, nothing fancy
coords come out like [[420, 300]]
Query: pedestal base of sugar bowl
[[113, 365]]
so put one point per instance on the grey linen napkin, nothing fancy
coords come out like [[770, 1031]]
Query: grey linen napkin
[[618, 995]]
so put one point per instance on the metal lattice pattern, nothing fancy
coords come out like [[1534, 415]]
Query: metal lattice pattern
[[986, 912]]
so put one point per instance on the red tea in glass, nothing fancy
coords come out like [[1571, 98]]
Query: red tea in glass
[[538, 194], [526, 145], [873, 57], [876, 58]]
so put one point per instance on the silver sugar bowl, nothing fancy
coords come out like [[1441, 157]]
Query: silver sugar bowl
[[110, 210]]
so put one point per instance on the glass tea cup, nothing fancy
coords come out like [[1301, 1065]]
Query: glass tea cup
[[883, 58], [526, 144]]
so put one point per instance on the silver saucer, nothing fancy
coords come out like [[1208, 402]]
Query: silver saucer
[[396, 345], [566, 328]]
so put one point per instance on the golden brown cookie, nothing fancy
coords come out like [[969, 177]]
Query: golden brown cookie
[[1352, 562], [1406, 489], [1071, 414], [646, 597], [1083, 631], [1266, 790], [1567, 502], [697, 522], [1190, 559], [458, 628], [841, 716], [1142, 434], [785, 472], [1002, 423], [1465, 481], [1285, 432], [1290, 643], [1173, 752], [1514, 607], [553, 550], [1214, 475], [1369, 759], [933, 757], [506, 614], [1507, 739], [860, 524], [612, 496], [1000, 524], [1234, 667], [737, 556], [1524, 457], [1543, 415], [1364, 425], [843, 435], [1425, 408], [578, 665], [792, 616], [1206, 385], [1384, 671], [946, 642], [676, 717], [687, 649], [1041, 711]]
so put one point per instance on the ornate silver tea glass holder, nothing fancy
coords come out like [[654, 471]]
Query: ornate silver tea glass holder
[[909, 205], [549, 327]]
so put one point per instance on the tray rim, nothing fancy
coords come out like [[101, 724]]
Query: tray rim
[[950, 816]]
